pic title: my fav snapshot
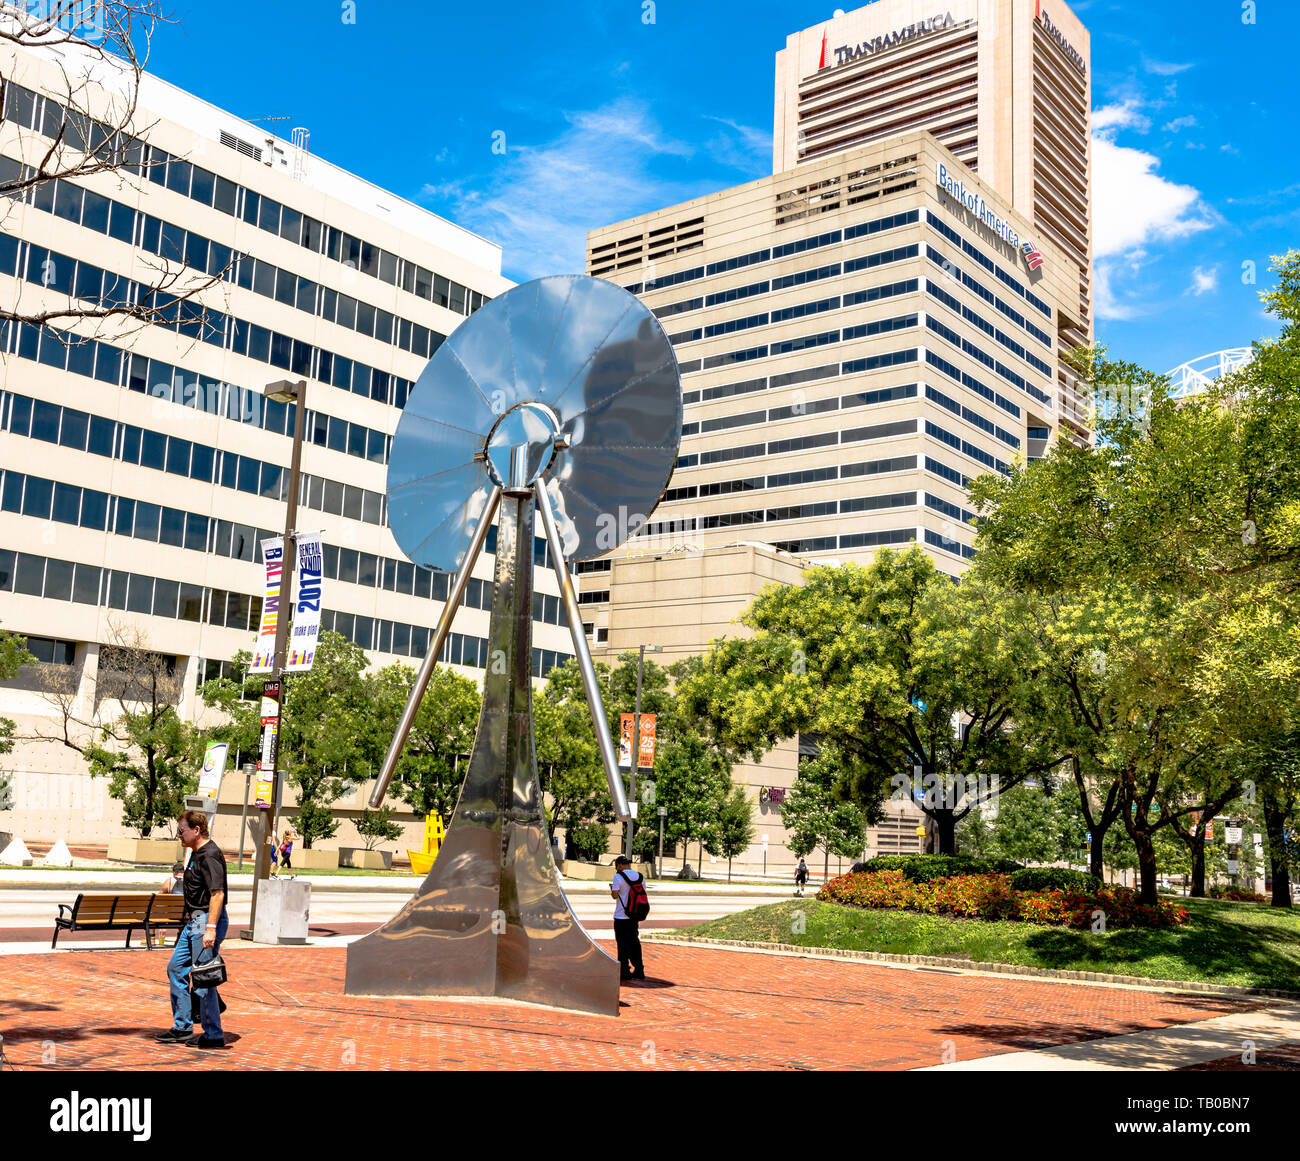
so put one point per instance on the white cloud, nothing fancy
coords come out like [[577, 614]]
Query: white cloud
[[1124, 115], [542, 199], [1178, 123], [1204, 280], [1134, 208], [1163, 68]]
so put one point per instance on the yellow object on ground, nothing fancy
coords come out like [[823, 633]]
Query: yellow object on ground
[[434, 833]]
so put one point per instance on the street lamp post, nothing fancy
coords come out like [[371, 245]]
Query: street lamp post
[[636, 741], [282, 391]]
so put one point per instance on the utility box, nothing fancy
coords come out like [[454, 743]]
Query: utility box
[[283, 910]]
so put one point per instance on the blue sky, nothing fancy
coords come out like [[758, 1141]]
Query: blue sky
[[607, 113]]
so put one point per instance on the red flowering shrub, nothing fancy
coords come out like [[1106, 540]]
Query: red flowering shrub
[[1238, 895], [992, 897]]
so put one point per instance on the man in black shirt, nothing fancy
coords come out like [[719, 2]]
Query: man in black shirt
[[205, 895]]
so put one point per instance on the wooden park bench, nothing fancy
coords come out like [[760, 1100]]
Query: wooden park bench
[[122, 912]]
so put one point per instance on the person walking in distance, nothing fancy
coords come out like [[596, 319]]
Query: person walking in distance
[[631, 905], [286, 850], [205, 895], [800, 876]]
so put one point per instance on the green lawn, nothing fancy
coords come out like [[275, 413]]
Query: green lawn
[[1224, 943]]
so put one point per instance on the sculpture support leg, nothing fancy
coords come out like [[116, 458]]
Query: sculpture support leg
[[491, 918]]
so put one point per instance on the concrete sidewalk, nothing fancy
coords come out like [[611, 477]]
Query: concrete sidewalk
[[135, 879], [701, 1009]]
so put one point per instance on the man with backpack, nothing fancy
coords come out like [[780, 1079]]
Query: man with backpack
[[631, 905]]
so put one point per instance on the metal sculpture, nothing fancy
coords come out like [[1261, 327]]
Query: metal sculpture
[[561, 395]]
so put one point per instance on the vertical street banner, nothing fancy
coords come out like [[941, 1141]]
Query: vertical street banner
[[264, 650], [270, 740], [645, 758], [625, 724], [305, 635], [214, 766]]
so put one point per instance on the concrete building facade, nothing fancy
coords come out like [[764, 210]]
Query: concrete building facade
[[141, 464]]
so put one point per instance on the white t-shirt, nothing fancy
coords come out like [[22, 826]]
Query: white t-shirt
[[624, 891]]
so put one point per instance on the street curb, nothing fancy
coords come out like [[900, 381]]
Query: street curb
[[1009, 969]]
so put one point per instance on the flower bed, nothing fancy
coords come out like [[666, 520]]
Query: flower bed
[[992, 897], [1238, 895]]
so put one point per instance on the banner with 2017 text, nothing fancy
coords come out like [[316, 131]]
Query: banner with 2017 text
[[305, 635]]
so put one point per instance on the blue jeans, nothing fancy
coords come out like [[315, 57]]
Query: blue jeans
[[190, 950]]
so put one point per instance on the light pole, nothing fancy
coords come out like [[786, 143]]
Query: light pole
[[282, 391], [636, 741]]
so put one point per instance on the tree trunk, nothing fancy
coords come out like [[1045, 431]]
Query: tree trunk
[[826, 865], [728, 868], [1274, 824], [1096, 856], [946, 823], [1197, 848], [1146, 853]]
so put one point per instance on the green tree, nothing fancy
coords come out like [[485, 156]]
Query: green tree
[[692, 780], [150, 757], [377, 826], [328, 737], [735, 826], [893, 668], [816, 815], [1030, 823], [432, 766]]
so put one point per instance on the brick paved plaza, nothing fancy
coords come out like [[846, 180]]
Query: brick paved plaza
[[704, 1008]]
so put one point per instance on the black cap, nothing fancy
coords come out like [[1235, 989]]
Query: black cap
[[622, 860]]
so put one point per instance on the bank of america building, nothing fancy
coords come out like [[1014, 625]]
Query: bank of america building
[[141, 468]]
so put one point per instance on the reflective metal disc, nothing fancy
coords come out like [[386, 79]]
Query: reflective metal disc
[[568, 378]]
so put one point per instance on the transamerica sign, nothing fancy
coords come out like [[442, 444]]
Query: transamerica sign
[[850, 52], [1075, 57]]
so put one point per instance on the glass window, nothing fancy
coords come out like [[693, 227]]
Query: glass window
[[201, 463], [259, 343], [85, 584], [11, 499], [333, 243], [29, 574], [291, 225], [153, 450], [121, 223], [178, 456], [272, 474], [251, 205], [81, 357], [171, 242], [408, 276], [352, 502], [224, 195], [379, 381], [263, 277], [401, 638], [58, 580], [137, 378], [356, 440], [67, 503], [300, 358], [165, 594], [329, 303], [172, 530], [285, 287], [67, 203], [332, 500], [457, 298], [201, 185], [363, 631], [139, 597], [147, 517], [38, 497], [268, 216], [347, 312], [375, 446], [73, 432], [45, 421], [370, 258], [312, 233], [338, 434], [370, 506], [383, 326], [388, 267], [349, 560], [130, 453], [54, 353], [247, 479], [244, 543], [196, 531], [305, 299], [405, 576], [365, 318], [423, 282], [94, 509], [108, 363], [342, 372], [101, 436], [191, 601], [124, 521], [368, 570], [115, 597], [281, 350], [178, 176]]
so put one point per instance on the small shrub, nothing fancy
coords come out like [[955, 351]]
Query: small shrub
[[1238, 895], [993, 897], [926, 868], [1054, 879], [590, 840]]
